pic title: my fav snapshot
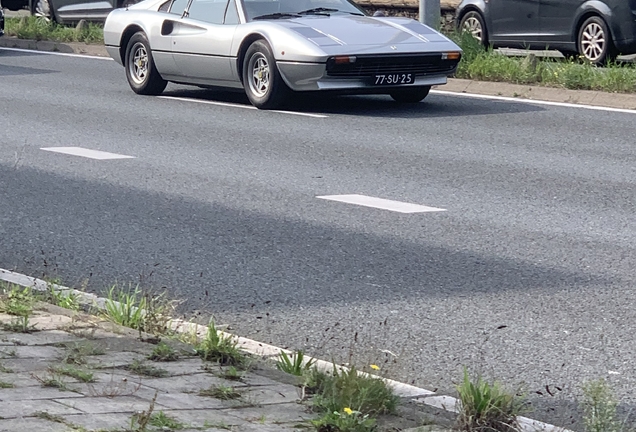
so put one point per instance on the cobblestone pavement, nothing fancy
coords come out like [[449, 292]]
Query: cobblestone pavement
[[42, 387]]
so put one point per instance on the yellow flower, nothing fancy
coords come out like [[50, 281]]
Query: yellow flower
[[348, 410], [375, 367]]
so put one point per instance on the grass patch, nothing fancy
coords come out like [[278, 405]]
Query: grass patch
[[485, 406], [53, 380], [231, 373], [295, 365], [599, 408], [165, 422], [141, 368], [76, 354], [19, 325], [346, 421], [64, 299], [164, 353], [17, 300], [37, 29], [220, 348], [349, 390], [6, 385], [5, 369], [133, 308], [483, 64], [73, 372], [50, 417], [221, 392]]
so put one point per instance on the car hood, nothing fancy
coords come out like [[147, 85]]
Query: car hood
[[362, 30]]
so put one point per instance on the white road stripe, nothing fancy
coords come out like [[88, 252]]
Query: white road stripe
[[232, 105], [534, 101], [381, 203], [57, 53], [88, 153]]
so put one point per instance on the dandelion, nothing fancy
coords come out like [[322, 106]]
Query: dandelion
[[375, 367], [348, 410]]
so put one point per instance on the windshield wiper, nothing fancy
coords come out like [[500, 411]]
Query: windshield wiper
[[277, 15], [318, 11]]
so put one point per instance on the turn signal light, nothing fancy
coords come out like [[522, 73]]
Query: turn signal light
[[450, 55], [344, 59]]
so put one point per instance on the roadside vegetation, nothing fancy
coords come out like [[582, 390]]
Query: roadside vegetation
[[479, 63], [38, 29]]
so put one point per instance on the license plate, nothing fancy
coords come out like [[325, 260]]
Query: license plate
[[394, 79]]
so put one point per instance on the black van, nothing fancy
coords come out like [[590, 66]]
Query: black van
[[598, 30]]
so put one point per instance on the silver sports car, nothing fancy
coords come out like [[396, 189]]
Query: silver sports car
[[272, 48]]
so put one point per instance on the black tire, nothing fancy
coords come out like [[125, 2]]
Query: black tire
[[142, 76], [410, 94], [266, 90], [588, 41], [474, 23]]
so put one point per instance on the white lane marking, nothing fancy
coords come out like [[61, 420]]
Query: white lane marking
[[381, 203], [87, 153], [232, 105], [57, 53], [534, 101]]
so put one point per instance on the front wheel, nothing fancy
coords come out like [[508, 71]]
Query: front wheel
[[410, 95], [263, 84], [42, 10], [473, 23], [141, 72]]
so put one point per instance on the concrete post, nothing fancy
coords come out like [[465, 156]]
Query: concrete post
[[430, 13]]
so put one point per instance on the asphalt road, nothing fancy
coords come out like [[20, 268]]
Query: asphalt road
[[527, 277]]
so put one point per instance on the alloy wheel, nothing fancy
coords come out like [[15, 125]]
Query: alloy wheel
[[138, 63], [260, 76], [593, 42], [42, 10], [473, 26]]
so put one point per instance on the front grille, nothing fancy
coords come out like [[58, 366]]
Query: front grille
[[366, 66]]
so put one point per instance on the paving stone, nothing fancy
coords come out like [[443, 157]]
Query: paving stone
[[117, 421], [113, 360], [31, 424], [282, 413], [200, 418], [46, 321], [110, 386], [189, 401], [47, 337], [35, 393], [24, 408], [20, 379], [29, 365], [272, 395], [187, 383], [106, 405], [36, 352], [181, 367]]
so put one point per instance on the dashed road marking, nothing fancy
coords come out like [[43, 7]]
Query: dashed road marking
[[87, 153], [381, 203], [233, 105]]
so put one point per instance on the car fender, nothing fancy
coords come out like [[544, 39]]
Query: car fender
[[591, 7], [466, 6]]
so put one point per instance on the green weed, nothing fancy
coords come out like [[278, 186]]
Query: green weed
[[220, 348], [221, 392], [141, 311], [76, 354], [599, 408], [163, 353], [487, 407], [6, 385], [164, 422], [20, 324], [355, 391], [140, 368], [17, 300], [295, 365], [346, 420], [73, 372]]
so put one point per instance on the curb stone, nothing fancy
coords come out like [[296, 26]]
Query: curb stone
[[418, 395], [51, 46]]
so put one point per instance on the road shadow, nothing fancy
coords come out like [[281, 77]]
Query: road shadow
[[381, 106], [19, 70]]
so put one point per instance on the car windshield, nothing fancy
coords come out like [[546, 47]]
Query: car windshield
[[281, 9]]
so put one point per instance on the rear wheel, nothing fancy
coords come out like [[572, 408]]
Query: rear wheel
[[263, 83], [43, 10], [410, 95], [595, 41], [141, 73], [473, 23]]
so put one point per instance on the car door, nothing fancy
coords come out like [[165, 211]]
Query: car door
[[202, 41], [557, 19], [514, 20]]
